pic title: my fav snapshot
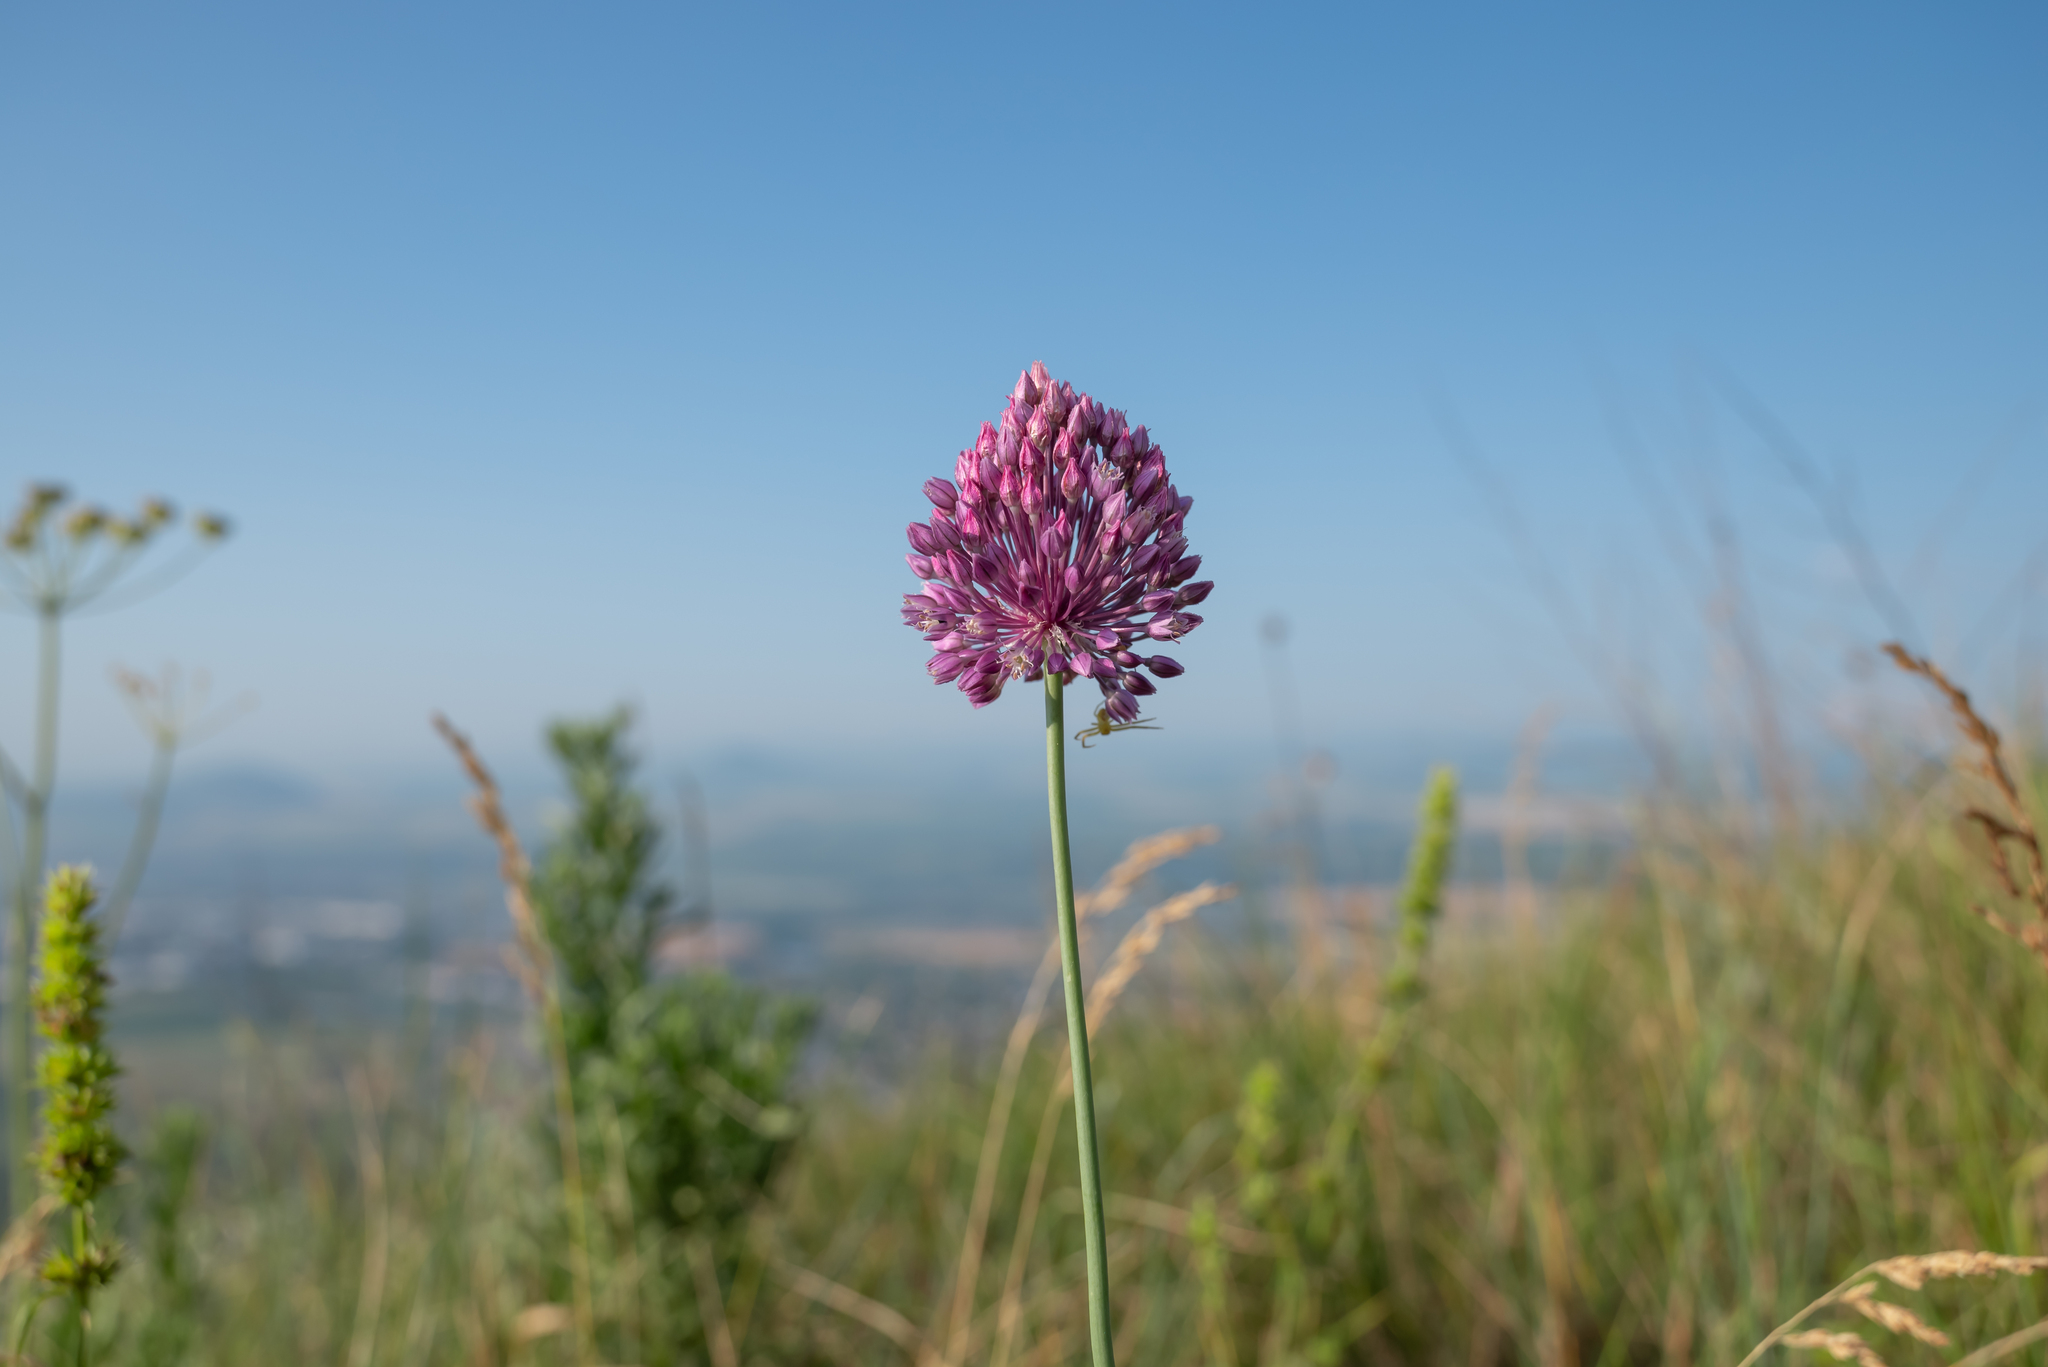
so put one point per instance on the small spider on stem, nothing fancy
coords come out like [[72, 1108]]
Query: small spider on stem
[[1103, 726]]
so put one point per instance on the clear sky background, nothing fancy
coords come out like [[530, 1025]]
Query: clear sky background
[[547, 356]]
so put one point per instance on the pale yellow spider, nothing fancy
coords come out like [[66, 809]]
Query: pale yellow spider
[[1103, 726]]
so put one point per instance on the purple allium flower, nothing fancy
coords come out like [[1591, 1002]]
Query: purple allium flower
[[1056, 545]]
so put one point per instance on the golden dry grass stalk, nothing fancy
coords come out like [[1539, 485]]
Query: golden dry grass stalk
[[1914, 1272], [1139, 859], [1139, 942], [2015, 827], [534, 964], [1896, 1318], [1842, 1347]]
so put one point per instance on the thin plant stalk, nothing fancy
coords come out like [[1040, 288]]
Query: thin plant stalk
[[535, 967], [143, 839], [21, 937], [82, 1294], [1099, 1339]]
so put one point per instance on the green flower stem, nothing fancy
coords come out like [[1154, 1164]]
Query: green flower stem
[[1077, 1026], [81, 1249]]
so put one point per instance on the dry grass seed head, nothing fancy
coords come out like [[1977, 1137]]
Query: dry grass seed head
[[1141, 858], [1896, 1318], [23, 1244], [2015, 828], [514, 868], [1141, 940], [1841, 1347], [1914, 1272]]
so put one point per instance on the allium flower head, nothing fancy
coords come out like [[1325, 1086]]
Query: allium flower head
[[1057, 545]]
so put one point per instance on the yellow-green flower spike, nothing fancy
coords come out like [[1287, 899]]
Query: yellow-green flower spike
[[79, 1154]]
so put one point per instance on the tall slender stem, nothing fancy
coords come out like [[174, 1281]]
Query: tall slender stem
[[21, 932], [1077, 1027], [81, 1241], [583, 1304], [143, 839]]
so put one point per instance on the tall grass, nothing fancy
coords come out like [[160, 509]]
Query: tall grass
[[1709, 1088]]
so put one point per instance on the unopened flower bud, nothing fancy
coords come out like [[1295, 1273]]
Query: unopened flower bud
[[1058, 401], [1169, 626], [1040, 430], [1082, 421]]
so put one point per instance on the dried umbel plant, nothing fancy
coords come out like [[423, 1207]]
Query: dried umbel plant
[[58, 558], [1058, 550], [175, 710], [2010, 828]]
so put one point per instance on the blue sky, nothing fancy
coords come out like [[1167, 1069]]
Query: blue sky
[[552, 355]]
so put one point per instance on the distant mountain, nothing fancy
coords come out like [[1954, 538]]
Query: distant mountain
[[245, 788]]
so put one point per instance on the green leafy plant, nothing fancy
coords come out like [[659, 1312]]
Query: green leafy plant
[[689, 1073]]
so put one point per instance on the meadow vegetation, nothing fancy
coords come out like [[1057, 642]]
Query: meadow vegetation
[[1773, 1080], [1646, 1126]]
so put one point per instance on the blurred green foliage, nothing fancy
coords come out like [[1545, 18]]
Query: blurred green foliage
[[694, 1067], [170, 1171], [1688, 1100], [596, 886], [682, 1081]]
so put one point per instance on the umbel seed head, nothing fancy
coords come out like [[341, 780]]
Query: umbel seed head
[[1057, 547]]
